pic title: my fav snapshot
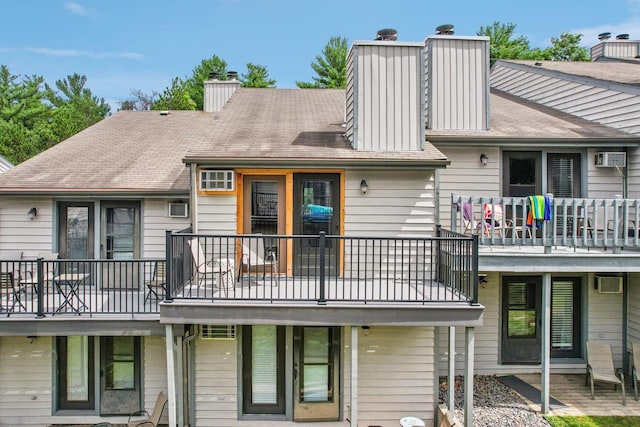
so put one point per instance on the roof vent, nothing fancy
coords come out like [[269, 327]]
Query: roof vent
[[604, 36], [445, 30], [538, 64], [164, 112], [232, 75], [622, 37], [213, 76], [389, 34]]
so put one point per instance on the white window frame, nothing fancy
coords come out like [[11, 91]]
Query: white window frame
[[210, 180]]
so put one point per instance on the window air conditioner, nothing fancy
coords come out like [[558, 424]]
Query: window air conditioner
[[218, 332], [610, 159], [609, 285], [178, 210]]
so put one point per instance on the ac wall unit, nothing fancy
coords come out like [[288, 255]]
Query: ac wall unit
[[610, 159], [609, 285], [178, 210], [218, 332]]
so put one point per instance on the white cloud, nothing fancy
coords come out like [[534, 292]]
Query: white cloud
[[78, 9], [83, 53], [630, 26]]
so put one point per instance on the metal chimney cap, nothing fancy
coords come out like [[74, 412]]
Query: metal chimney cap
[[445, 29], [604, 36], [213, 76], [232, 75], [622, 37], [387, 34]]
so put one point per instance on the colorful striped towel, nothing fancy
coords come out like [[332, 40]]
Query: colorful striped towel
[[539, 210]]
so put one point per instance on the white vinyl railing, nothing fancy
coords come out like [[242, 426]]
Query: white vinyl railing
[[589, 223]]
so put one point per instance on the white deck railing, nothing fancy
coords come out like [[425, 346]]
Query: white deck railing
[[590, 223]]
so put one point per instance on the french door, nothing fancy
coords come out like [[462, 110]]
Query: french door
[[120, 242], [316, 208]]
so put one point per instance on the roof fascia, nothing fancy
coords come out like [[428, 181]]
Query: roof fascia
[[320, 163], [540, 142]]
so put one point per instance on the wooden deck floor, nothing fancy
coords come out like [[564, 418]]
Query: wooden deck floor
[[570, 389]]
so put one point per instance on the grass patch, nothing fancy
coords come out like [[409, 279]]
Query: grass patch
[[593, 421]]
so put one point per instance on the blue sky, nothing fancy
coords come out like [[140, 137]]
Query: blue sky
[[142, 44]]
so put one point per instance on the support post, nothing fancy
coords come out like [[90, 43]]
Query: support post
[[468, 376], [451, 377], [322, 249], [171, 376], [546, 342], [179, 381], [353, 421], [436, 370]]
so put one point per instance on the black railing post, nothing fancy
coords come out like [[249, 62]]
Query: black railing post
[[40, 288], [322, 244], [169, 279], [474, 255], [438, 267]]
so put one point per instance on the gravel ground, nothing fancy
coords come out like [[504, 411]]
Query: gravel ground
[[494, 404]]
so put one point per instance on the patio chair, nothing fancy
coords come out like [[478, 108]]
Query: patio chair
[[219, 271], [635, 361], [255, 257], [12, 290], [600, 367], [156, 284], [154, 418]]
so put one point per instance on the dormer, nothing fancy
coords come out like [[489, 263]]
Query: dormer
[[385, 94]]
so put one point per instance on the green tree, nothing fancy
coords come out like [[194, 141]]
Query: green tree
[[139, 101], [175, 97], [257, 76], [330, 66], [21, 100], [194, 84], [567, 48], [503, 43], [75, 106]]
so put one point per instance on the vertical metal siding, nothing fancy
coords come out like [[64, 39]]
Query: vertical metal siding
[[607, 106], [620, 49], [384, 100], [456, 84], [217, 93]]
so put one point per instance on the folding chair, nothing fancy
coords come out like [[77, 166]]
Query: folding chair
[[156, 285], [600, 367]]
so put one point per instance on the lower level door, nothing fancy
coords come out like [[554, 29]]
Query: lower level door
[[521, 320], [119, 375], [316, 373]]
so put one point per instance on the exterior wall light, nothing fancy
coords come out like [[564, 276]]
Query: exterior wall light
[[33, 212], [364, 186], [484, 159]]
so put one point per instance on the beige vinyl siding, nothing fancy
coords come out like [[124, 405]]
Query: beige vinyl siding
[[457, 87], [18, 232], [25, 381], [615, 49], [603, 183], [395, 375], [398, 204], [604, 323], [467, 177], [154, 370], [633, 309], [384, 105], [602, 104], [596, 51], [156, 222], [633, 171], [216, 214]]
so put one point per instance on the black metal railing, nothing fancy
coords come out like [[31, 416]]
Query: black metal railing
[[81, 287], [323, 268]]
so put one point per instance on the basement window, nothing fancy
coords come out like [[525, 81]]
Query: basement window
[[216, 180]]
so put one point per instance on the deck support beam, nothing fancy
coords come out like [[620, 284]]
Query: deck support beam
[[171, 376], [451, 377], [546, 343], [353, 420], [468, 376]]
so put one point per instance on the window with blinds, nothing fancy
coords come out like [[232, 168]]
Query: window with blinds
[[562, 177], [562, 315]]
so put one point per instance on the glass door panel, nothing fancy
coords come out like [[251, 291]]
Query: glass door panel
[[316, 201], [75, 236], [316, 379], [521, 320], [75, 372], [120, 241], [120, 375]]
